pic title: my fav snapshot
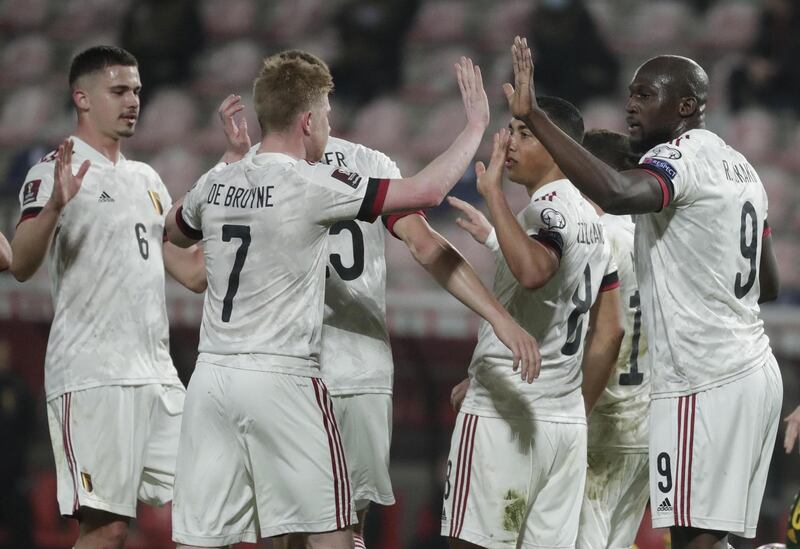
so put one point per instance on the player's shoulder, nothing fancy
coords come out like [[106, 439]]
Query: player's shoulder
[[358, 157], [44, 168], [142, 168]]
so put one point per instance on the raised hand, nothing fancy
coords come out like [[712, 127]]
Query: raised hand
[[472, 93], [522, 95], [458, 394], [475, 223], [792, 430], [491, 178], [235, 132], [524, 347], [66, 184]]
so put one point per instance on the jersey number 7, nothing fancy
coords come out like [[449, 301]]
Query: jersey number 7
[[230, 232]]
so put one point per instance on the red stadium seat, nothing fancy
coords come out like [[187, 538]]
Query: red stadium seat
[[51, 531], [439, 21]]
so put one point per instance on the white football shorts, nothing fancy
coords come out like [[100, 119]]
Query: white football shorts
[[710, 453], [617, 490], [115, 444], [365, 422], [514, 483], [260, 455]]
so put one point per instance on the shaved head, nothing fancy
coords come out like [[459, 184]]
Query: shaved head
[[681, 76]]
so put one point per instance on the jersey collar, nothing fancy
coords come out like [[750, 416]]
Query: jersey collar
[[269, 157], [553, 186], [82, 148]]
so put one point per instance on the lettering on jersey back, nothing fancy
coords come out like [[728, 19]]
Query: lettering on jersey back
[[590, 233], [237, 197], [739, 173], [330, 157]]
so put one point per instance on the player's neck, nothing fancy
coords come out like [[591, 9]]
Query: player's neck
[[553, 174], [281, 143], [107, 146]]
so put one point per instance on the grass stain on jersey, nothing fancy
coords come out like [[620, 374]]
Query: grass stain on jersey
[[514, 511]]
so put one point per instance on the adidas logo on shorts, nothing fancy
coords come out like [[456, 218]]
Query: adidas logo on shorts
[[665, 506], [105, 198]]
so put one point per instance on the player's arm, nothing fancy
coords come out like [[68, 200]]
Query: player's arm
[[632, 191], [531, 262], [768, 278], [34, 234], [186, 265], [428, 188], [179, 232], [792, 430], [5, 253], [454, 273], [602, 345]]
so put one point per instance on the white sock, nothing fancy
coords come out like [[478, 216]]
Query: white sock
[[358, 541]]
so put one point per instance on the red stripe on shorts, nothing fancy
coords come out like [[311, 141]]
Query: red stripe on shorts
[[344, 476], [66, 409], [315, 383], [676, 504], [471, 446], [691, 449], [457, 482]]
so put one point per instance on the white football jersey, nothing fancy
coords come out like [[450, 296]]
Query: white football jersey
[[264, 224], [356, 354], [107, 275], [619, 419], [555, 314], [697, 264]]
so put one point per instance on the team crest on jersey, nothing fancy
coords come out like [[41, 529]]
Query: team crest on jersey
[[348, 178], [156, 200], [31, 191], [662, 165], [665, 151], [86, 480], [553, 219]]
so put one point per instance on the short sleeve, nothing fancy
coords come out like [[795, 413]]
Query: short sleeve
[[36, 190], [389, 170], [189, 215], [670, 164], [336, 194], [544, 221]]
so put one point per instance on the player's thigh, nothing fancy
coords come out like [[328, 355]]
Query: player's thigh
[[161, 449], [558, 494], [628, 512], [709, 453], [99, 437], [213, 500], [297, 457], [365, 422]]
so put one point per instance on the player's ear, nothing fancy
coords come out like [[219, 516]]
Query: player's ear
[[687, 106], [305, 122], [80, 99]]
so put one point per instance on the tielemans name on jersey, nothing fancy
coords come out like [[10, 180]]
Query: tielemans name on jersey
[[236, 197], [590, 233]]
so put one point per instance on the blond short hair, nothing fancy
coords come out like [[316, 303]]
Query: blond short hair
[[288, 84]]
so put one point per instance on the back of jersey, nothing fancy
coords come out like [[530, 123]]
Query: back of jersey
[[619, 419], [555, 314], [264, 223], [697, 264]]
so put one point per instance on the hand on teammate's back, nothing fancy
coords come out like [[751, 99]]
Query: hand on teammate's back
[[475, 223], [523, 346], [522, 95], [458, 394], [235, 132], [66, 184], [792, 430], [491, 178], [470, 82]]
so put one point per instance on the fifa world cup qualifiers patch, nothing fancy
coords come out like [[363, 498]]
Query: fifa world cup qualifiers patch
[[553, 219], [348, 178], [31, 191], [662, 165]]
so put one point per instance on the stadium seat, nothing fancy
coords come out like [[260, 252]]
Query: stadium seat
[[729, 26], [167, 119], [655, 26], [783, 195], [224, 19], [504, 21], [382, 124], [25, 60], [179, 168], [753, 132], [438, 22], [286, 22], [229, 68], [790, 155], [440, 126], [25, 111], [429, 75], [19, 15]]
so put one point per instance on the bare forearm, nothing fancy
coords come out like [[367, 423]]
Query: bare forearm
[[596, 179], [530, 266], [599, 359], [446, 169], [5, 253], [187, 266], [31, 242]]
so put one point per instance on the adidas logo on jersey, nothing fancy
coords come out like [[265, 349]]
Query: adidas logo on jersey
[[665, 506], [104, 197]]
